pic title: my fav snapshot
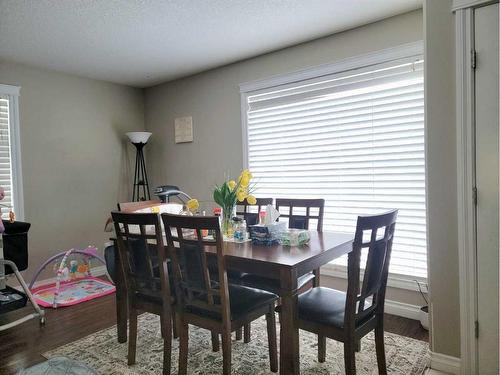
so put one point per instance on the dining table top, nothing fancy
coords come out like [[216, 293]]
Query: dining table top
[[268, 260], [319, 243]]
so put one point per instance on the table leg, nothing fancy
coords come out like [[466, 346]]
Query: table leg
[[289, 332], [121, 299]]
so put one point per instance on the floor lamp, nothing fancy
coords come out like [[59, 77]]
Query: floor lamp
[[139, 140]]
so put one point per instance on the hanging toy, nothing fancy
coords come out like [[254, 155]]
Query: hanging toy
[[65, 274], [12, 216], [73, 267]]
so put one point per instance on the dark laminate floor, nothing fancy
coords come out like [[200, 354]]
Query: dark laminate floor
[[22, 346]]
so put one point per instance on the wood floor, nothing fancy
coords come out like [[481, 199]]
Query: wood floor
[[22, 346]]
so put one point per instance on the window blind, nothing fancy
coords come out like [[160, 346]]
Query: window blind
[[5, 158], [355, 139]]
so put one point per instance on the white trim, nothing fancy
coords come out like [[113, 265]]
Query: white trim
[[445, 363], [402, 309], [17, 173], [394, 281], [373, 58], [12, 93], [10, 90], [244, 127], [463, 4], [465, 182]]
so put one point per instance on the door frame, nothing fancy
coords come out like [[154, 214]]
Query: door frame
[[466, 193]]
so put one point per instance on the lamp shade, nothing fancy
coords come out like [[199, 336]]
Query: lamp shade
[[138, 137]]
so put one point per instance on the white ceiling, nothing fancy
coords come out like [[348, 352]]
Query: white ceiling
[[145, 42]]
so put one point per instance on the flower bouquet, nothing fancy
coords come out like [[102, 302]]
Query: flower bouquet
[[229, 193]]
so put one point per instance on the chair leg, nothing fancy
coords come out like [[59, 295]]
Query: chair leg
[[380, 348], [316, 280], [132, 332], [358, 346], [226, 352], [183, 345], [246, 333], [350, 358], [166, 322], [215, 342], [271, 340], [321, 348], [239, 334], [174, 325]]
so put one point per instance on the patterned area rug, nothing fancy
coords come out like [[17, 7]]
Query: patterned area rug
[[101, 352]]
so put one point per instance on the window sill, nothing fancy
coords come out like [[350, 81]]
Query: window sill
[[394, 281]]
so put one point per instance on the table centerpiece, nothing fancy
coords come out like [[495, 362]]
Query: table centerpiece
[[228, 194]]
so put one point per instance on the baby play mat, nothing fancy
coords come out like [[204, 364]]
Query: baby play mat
[[72, 292]]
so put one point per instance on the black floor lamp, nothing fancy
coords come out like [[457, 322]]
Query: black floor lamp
[[139, 140]]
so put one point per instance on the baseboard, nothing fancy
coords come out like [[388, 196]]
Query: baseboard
[[445, 363], [96, 271], [402, 309]]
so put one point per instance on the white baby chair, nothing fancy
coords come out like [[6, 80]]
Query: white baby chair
[[14, 245]]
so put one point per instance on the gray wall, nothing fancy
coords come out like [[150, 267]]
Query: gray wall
[[441, 168], [74, 158], [213, 99]]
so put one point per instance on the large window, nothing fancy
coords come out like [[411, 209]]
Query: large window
[[354, 138], [10, 163]]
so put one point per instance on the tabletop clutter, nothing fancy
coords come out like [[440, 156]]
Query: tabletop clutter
[[269, 231]]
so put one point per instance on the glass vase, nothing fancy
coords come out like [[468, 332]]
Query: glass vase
[[227, 221]]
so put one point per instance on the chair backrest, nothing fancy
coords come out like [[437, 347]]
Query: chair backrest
[[375, 233], [250, 212], [134, 206], [300, 213], [188, 250], [142, 255]]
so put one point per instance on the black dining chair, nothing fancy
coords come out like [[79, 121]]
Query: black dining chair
[[296, 221], [250, 212], [300, 213], [347, 317], [208, 302], [144, 265]]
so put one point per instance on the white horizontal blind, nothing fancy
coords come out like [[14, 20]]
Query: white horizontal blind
[[5, 158], [355, 139]]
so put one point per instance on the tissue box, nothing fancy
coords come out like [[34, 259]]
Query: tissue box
[[267, 234]]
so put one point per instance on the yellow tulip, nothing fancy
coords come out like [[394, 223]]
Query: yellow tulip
[[244, 180], [192, 204], [241, 195], [231, 184], [247, 173], [251, 199]]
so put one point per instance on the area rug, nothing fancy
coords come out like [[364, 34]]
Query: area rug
[[101, 352]]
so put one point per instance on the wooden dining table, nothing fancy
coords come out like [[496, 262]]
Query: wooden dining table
[[279, 262]]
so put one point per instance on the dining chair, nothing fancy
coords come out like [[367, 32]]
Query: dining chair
[[347, 317], [308, 210], [134, 206], [218, 306], [296, 220], [145, 268], [301, 212], [248, 211]]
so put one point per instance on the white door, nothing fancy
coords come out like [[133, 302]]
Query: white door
[[487, 182]]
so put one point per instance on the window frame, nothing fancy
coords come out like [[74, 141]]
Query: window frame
[[12, 93], [410, 50]]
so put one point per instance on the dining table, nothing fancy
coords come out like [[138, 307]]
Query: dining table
[[284, 263]]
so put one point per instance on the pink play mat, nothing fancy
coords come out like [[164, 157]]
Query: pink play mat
[[72, 292]]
